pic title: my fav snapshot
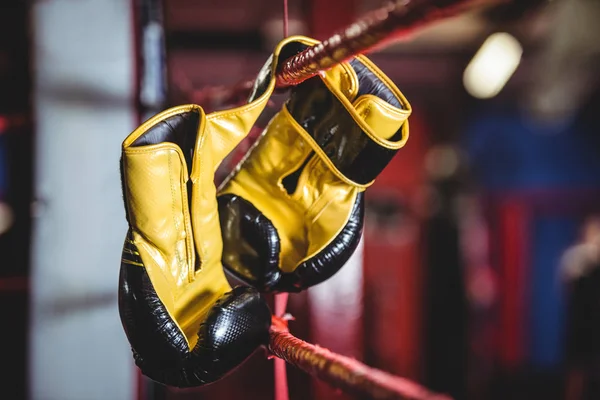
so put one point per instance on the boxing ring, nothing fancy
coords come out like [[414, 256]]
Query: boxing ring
[[395, 20]]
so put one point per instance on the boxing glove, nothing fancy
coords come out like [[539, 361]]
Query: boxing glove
[[292, 211], [185, 323]]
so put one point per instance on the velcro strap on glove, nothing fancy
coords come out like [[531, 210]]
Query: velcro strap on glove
[[365, 130]]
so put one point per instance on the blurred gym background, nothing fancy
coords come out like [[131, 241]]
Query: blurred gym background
[[478, 275]]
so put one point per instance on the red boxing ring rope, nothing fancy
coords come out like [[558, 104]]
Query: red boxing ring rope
[[343, 372], [378, 28], [395, 19]]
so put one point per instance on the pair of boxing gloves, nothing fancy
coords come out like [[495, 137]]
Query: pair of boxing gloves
[[288, 217]]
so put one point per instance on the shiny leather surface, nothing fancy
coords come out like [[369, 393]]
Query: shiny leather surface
[[255, 257], [250, 243], [355, 154], [329, 260], [186, 325], [291, 213], [235, 326]]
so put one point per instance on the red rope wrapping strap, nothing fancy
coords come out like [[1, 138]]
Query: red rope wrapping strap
[[377, 28], [343, 372]]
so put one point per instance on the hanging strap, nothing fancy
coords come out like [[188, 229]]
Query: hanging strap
[[280, 371]]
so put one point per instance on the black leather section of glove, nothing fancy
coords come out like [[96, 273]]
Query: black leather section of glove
[[250, 243], [180, 129], [251, 248], [237, 324], [369, 83], [324, 117]]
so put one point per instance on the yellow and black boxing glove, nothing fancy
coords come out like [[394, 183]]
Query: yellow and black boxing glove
[[185, 323], [292, 211]]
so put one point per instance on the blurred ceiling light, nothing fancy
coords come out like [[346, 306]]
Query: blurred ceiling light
[[492, 66]]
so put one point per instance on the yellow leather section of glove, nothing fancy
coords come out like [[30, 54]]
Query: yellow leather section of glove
[[259, 181], [311, 217], [155, 180], [172, 240]]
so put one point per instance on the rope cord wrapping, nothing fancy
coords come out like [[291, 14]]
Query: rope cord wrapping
[[342, 372], [377, 28], [380, 27], [280, 371]]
